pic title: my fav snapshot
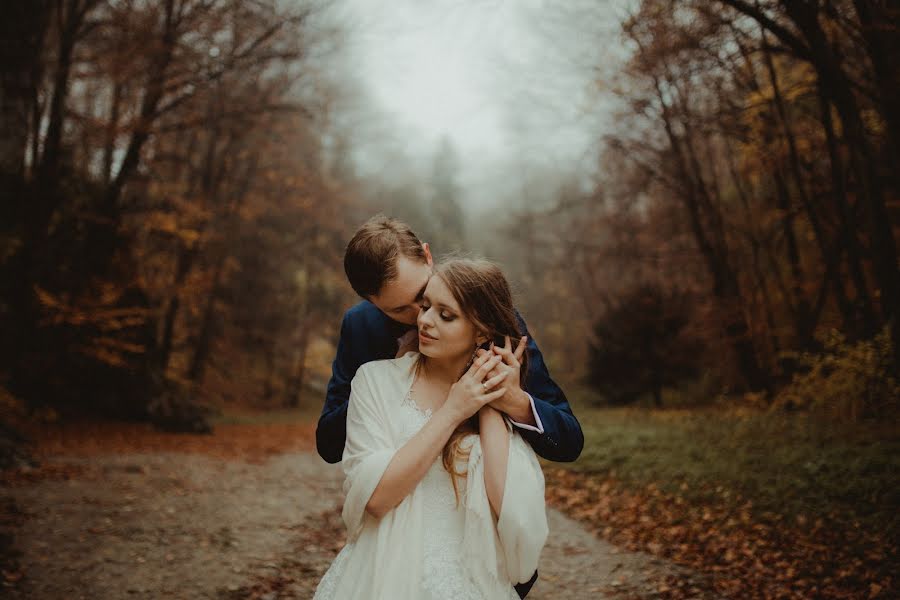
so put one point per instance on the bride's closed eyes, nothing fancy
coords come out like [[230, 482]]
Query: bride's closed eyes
[[444, 314]]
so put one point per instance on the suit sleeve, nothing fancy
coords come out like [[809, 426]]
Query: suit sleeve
[[562, 439], [331, 431]]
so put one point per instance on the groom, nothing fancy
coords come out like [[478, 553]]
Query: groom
[[389, 267]]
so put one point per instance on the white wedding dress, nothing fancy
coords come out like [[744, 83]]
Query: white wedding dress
[[439, 544], [443, 574]]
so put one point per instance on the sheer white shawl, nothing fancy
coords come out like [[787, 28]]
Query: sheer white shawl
[[497, 552]]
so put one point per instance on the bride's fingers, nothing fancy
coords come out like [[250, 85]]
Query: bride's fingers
[[493, 381], [497, 370], [479, 360], [491, 396], [485, 367]]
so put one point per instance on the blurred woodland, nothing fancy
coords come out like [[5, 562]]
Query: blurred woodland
[[179, 179], [741, 235], [178, 191], [169, 230]]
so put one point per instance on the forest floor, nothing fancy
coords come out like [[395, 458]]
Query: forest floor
[[122, 511], [767, 504]]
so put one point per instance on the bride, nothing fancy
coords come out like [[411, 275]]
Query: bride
[[444, 500]]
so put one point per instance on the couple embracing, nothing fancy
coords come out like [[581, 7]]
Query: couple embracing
[[438, 406]]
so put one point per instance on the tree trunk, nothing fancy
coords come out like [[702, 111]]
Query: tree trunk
[[836, 83], [294, 386], [816, 48], [70, 19], [112, 129], [752, 236], [22, 29], [203, 343], [802, 319], [725, 285], [46, 198], [153, 93], [797, 301], [204, 338], [880, 25], [768, 312], [848, 228], [186, 258], [270, 353]]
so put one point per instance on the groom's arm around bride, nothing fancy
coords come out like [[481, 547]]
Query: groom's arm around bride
[[388, 266]]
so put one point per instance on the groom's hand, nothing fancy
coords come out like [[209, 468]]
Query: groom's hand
[[515, 401], [408, 343]]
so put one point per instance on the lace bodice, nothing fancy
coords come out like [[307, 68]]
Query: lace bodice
[[444, 577]]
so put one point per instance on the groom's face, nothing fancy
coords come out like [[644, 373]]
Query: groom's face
[[401, 297]]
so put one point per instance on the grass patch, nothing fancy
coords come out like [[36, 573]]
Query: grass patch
[[784, 464]]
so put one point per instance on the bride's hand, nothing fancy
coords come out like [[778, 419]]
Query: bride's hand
[[472, 391]]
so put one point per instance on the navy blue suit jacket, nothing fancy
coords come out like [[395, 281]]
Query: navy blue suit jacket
[[368, 334]]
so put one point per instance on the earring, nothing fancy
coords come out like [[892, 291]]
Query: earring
[[472, 359]]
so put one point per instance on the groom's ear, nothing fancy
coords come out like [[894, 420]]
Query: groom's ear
[[428, 258]]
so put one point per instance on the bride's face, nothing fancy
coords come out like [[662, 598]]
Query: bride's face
[[444, 331]]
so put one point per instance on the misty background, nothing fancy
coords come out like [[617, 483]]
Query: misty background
[[462, 117], [691, 201], [697, 203]]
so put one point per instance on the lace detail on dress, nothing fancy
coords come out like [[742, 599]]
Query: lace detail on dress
[[412, 418], [326, 587], [425, 412], [444, 576]]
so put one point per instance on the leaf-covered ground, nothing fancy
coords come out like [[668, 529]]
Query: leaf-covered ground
[[250, 512], [766, 506]]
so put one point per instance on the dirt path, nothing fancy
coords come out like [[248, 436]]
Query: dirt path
[[160, 524]]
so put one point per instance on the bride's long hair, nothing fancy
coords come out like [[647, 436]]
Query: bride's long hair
[[484, 297]]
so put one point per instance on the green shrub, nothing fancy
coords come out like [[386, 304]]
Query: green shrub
[[847, 381]]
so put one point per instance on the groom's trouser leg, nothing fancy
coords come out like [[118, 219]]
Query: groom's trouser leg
[[524, 588]]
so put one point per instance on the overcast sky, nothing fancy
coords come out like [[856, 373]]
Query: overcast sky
[[512, 83]]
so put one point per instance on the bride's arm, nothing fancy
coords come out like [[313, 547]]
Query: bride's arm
[[506, 491], [495, 449], [410, 463]]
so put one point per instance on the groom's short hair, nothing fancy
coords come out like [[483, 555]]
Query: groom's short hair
[[371, 257]]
